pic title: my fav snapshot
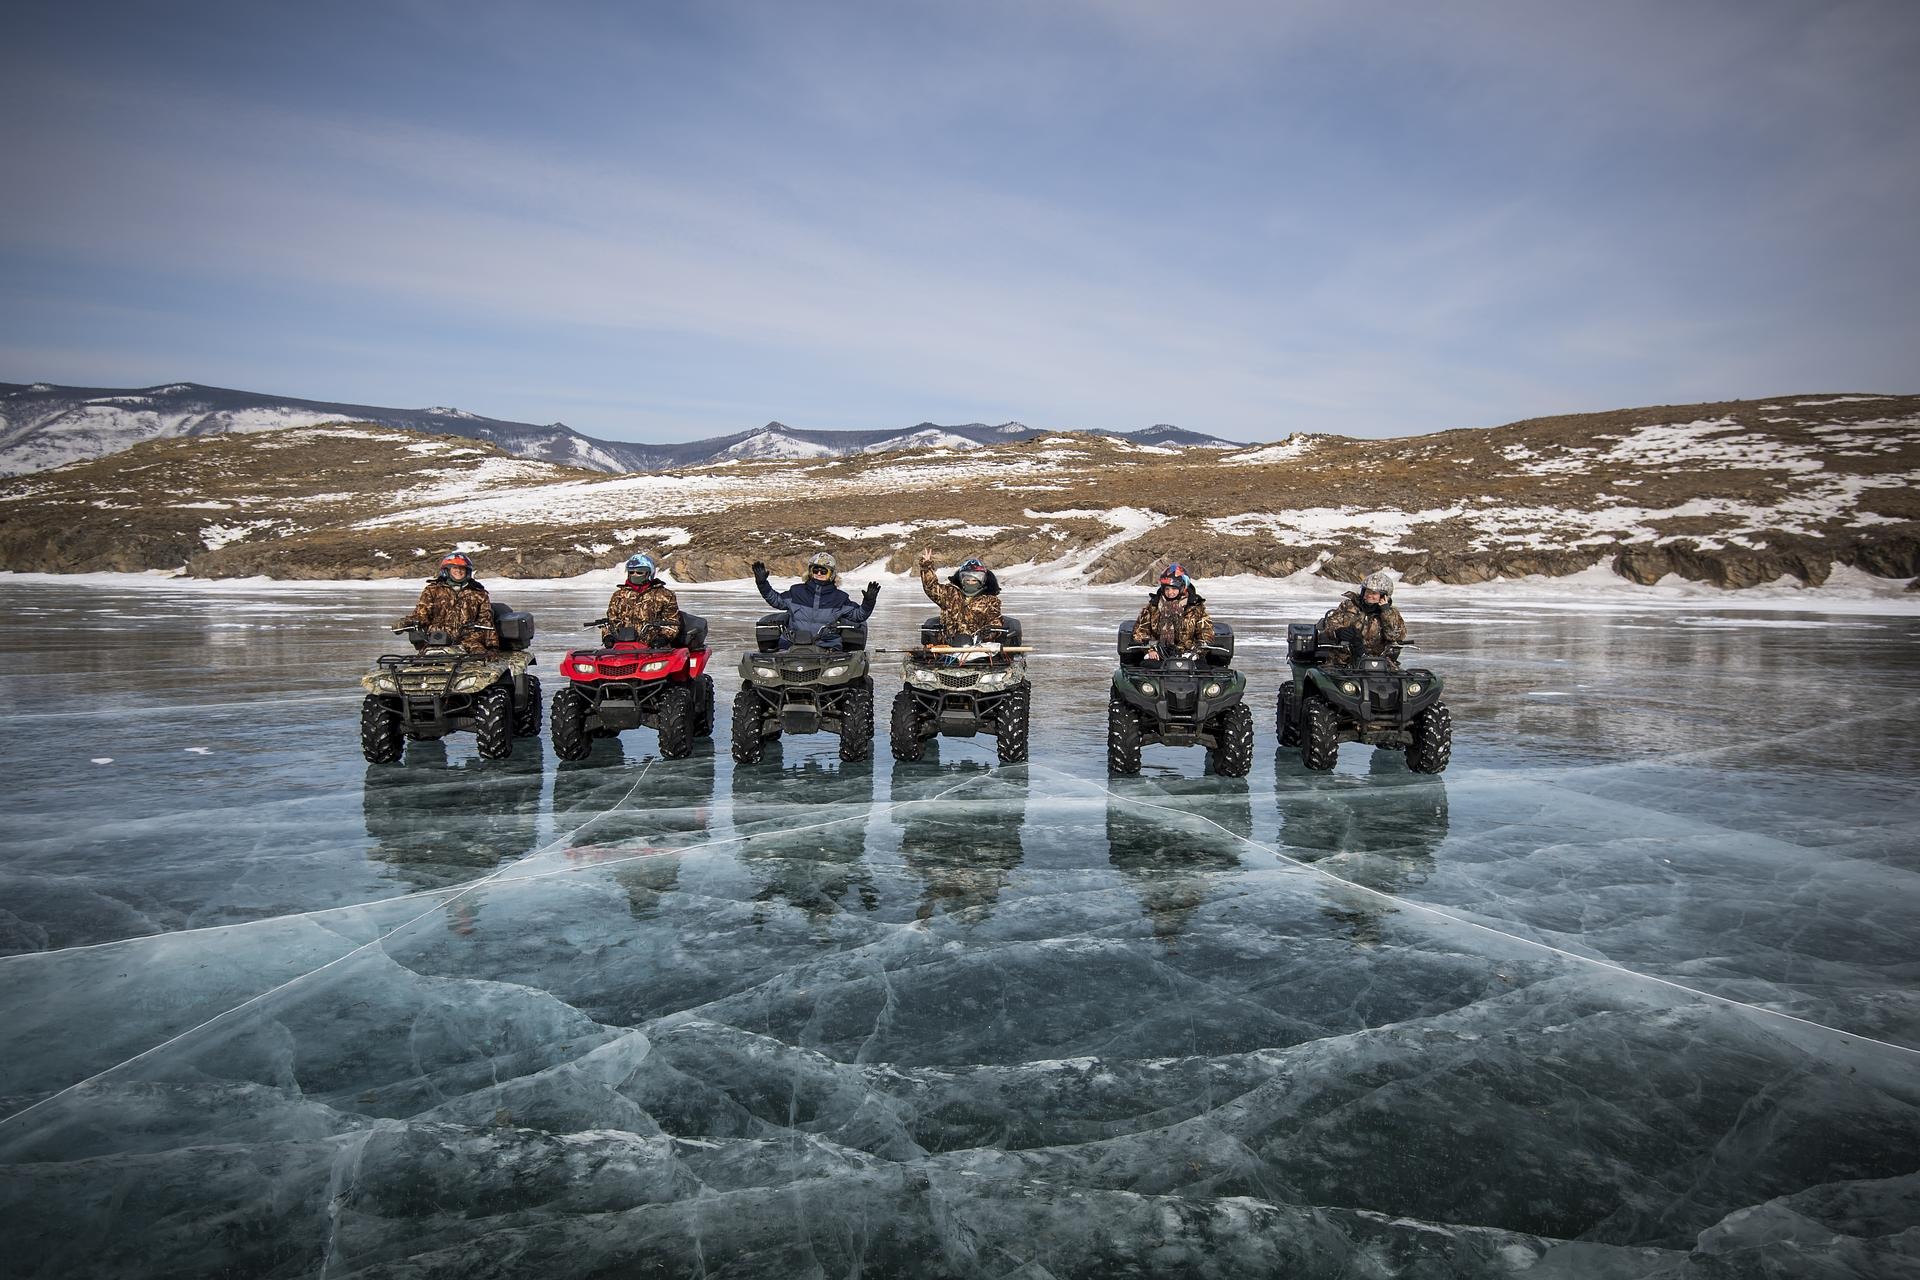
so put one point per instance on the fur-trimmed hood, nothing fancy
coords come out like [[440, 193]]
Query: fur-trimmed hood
[[991, 589], [1193, 595]]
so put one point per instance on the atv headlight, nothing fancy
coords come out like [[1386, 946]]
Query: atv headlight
[[994, 680], [385, 682], [922, 677], [1146, 686], [1349, 687], [584, 668], [655, 666], [1414, 686], [834, 672], [767, 673], [472, 682], [1213, 690]]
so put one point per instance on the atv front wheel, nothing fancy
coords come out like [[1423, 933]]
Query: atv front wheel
[[526, 716], [903, 733], [1123, 737], [381, 741], [1010, 740], [1432, 744], [703, 715], [679, 709], [749, 736], [493, 722], [1233, 758], [1283, 717], [568, 727], [856, 723], [1319, 748]]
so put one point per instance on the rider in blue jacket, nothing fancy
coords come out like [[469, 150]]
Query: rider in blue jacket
[[815, 605]]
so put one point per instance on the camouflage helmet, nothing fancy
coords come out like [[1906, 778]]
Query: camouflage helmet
[[1379, 581], [821, 560]]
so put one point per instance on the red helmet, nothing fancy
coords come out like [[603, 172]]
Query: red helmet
[[453, 558]]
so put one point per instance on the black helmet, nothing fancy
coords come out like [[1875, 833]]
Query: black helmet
[[971, 577]]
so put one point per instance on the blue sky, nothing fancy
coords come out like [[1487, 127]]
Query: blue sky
[[662, 221]]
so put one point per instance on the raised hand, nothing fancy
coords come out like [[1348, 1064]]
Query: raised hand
[[759, 571], [926, 557]]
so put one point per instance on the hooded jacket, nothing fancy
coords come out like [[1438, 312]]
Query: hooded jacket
[[1174, 631], [464, 612], [1379, 632], [637, 606], [960, 613], [811, 608]]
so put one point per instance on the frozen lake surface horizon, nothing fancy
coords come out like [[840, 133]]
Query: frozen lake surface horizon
[[1631, 990]]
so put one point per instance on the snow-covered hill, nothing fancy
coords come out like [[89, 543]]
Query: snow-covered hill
[[44, 426]]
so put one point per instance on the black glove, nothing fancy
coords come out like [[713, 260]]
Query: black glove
[[868, 596], [1347, 635], [759, 571]]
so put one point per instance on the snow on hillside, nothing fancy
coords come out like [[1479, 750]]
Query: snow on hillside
[[765, 445]]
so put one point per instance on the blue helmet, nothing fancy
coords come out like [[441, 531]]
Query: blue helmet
[[640, 568]]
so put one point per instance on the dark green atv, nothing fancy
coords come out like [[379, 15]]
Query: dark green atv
[[1333, 697], [1185, 700]]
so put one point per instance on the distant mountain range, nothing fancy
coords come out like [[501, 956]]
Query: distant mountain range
[[44, 426]]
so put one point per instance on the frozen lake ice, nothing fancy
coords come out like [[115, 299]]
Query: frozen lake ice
[[1631, 990]]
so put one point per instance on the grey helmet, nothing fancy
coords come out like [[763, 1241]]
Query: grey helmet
[[1381, 581]]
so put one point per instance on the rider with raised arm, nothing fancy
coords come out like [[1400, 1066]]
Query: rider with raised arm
[[456, 603], [644, 603], [816, 606], [1175, 619], [969, 600]]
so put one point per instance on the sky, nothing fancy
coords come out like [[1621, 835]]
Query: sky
[[663, 221]]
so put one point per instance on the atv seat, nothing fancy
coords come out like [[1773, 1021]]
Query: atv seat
[[514, 628], [693, 630]]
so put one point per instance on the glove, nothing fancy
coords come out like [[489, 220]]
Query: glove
[[868, 596], [1347, 635], [759, 571]]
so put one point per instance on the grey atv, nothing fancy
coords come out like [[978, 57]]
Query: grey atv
[[1334, 697], [805, 689], [958, 696], [440, 688], [1182, 701]]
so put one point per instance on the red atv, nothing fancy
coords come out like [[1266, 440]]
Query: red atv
[[629, 683]]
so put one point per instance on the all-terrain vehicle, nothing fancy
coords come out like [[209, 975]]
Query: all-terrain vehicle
[[807, 688], [977, 684], [441, 688], [1333, 697], [1182, 700], [629, 682]]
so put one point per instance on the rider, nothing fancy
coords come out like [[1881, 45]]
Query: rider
[[815, 606], [644, 603], [1365, 621], [456, 603], [1175, 619], [969, 601]]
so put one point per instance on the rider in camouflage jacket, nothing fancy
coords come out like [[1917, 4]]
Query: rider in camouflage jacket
[[456, 603], [643, 600], [969, 601], [1174, 619], [1365, 621]]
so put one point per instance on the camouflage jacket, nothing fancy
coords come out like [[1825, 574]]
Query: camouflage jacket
[[960, 613], [1174, 630], [466, 613], [1378, 631], [632, 607]]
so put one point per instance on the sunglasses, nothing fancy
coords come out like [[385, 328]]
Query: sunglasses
[[821, 570]]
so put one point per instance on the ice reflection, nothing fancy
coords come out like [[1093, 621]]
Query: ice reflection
[[808, 820], [960, 823], [1169, 859], [438, 823]]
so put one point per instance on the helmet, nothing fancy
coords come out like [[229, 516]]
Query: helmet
[[1175, 575], [971, 577], [1379, 580], [821, 560], [451, 559], [639, 568]]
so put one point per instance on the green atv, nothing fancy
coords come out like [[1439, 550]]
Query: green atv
[[807, 688], [441, 688], [1334, 697], [1183, 700]]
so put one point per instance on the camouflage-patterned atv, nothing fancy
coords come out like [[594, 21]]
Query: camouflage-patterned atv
[[1333, 697], [441, 688]]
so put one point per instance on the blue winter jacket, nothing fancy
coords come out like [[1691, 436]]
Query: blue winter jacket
[[811, 606]]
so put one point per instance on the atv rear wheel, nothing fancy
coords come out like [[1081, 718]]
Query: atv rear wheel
[[903, 733], [679, 709], [1010, 740], [1319, 748], [703, 716], [856, 722], [1432, 744], [1123, 737], [493, 722], [749, 734], [381, 741], [526, 716], [1233, 758], [568, 726], [1283, 717]]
